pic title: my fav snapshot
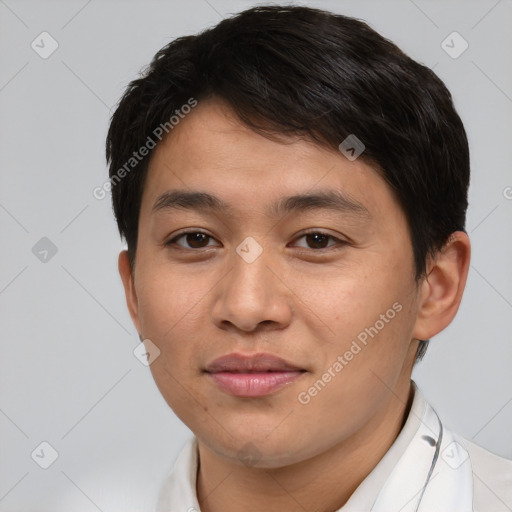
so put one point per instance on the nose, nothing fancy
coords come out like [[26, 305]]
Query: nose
[[252, 294]]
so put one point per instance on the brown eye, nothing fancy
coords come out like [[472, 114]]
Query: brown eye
[[319, 240], [193, 240]]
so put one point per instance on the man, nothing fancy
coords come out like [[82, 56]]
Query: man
[[292, 189]]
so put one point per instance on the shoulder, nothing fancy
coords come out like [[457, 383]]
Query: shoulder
[[178, 491], [492, 479]]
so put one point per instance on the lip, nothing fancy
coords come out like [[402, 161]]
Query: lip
[[251, 376]]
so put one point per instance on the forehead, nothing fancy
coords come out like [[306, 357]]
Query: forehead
[[211, 151]]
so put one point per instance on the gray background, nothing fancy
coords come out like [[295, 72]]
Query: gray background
[[68, 375]]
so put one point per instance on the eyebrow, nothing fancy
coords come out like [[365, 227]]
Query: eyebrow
[[322, 200]]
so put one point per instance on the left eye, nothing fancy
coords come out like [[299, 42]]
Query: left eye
[[319, 240]]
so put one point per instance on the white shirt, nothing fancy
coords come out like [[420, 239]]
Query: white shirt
[[483, 480]]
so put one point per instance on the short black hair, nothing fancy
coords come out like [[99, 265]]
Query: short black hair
[[294, 70]]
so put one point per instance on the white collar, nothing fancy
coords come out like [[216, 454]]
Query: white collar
[[396, 483], [366, 493]]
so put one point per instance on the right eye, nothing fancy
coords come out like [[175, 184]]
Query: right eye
[[194, 239]]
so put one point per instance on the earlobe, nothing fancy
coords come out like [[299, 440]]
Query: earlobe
[[129, 288], [442, 288]]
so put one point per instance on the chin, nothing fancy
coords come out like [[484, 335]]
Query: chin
[[251, 449]]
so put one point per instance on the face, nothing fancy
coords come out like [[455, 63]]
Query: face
[[312, 299]]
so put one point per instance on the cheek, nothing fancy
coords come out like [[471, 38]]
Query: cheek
[[170, 308], [166, 298], [364, 316], [343, 302]]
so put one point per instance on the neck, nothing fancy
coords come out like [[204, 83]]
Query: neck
[[323, 483]]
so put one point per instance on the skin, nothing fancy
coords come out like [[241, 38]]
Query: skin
[[297, 300]]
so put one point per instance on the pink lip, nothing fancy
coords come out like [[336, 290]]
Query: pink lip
[[252, 376]]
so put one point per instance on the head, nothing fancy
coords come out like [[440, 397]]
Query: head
[[213, 140]]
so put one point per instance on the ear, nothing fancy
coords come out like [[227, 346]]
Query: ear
[[442, 288], [129, 289]]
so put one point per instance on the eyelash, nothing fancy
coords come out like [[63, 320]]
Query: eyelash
[[312, 232]]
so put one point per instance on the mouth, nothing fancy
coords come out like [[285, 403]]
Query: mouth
[[252, 376]]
